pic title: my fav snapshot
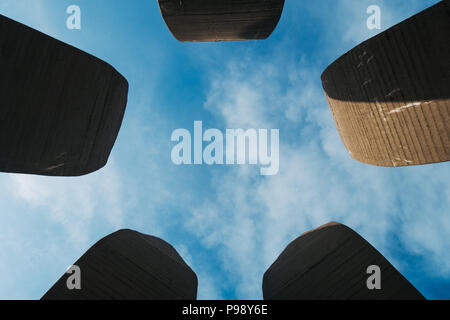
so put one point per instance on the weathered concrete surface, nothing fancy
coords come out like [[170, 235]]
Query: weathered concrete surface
[[390, 95], [129, 265], [60, 108], [221, 20], [331, 263]]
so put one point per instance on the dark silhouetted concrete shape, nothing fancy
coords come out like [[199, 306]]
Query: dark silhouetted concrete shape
[[331, 263], [390, 95], [128, 265], [221, 20], [60, 108]]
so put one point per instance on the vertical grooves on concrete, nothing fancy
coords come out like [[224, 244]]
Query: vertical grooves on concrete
[[129, 265], [221, 20], [331, 263], [60, 108], [390, 96]]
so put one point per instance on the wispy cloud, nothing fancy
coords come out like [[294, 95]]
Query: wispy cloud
[[74, 202], [253, 218], [229, 223], [47, 223]]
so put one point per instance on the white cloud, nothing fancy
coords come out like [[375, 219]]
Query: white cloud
[[48, 223], [253, 218], [72, 202], [245, 219]]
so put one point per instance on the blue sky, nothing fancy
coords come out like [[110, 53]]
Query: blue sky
[[228, 222]]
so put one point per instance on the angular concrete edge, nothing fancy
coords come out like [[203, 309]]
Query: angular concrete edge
[[329, 263], [61, 108], [128, 265], [390, 95], [221, 20]]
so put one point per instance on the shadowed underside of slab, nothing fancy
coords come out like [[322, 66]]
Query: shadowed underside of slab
[[331, 263], [390, 96], [221, 20], [60, 108], [129, 265]]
